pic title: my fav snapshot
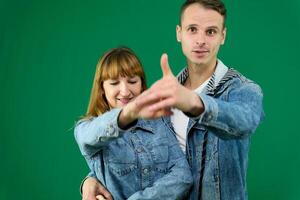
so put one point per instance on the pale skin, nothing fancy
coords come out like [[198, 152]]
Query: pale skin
[[201, 33]]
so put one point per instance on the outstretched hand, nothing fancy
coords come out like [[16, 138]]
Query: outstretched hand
[[168, 93], [158, 100]]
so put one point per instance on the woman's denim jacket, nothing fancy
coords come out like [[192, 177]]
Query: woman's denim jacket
[[143, 162], [218, 141]]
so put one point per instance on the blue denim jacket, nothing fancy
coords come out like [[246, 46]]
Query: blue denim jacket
[[218, 141], [144, 162]]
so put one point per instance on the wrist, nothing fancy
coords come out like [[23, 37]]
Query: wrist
[[126, 117], [197, 106]]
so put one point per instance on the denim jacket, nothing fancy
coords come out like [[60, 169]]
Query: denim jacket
[[143, 162], [218, 141]]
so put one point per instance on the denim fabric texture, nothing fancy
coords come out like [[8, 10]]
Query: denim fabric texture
[[218, 140], [143, 162]]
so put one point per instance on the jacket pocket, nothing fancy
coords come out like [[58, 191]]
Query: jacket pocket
[[120, 158], [160, 155]]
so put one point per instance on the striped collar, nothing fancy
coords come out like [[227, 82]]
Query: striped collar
[[221, 74]]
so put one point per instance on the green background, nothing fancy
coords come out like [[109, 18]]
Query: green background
[[48, 53]]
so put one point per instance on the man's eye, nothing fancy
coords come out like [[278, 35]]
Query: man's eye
[[192, 29], [211, 32]]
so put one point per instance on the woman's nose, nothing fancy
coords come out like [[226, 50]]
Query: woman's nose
[[124, 89]]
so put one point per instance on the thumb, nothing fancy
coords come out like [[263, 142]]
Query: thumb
[[165, 67]]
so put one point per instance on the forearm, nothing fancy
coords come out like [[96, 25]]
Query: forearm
[[127, 117], [196, 107], [238, 116], [92, 135]]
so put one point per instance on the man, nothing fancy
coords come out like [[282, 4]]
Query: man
[[215, 108]]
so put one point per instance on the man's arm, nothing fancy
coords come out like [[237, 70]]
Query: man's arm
[[238, 116], [92, 189], [168, 93]]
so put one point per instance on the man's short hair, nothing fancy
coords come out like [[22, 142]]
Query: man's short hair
[[216, 5]]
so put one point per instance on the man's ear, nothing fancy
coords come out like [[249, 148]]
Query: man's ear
[[178, 33], [224, 35]]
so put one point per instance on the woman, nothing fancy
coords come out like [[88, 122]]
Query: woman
[[133, 159]]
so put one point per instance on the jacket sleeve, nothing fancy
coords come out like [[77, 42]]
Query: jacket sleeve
[[237, 116], [92, 134], [175, 184]]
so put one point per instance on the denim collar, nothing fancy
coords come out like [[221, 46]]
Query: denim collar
[[211, 88], [146, 125], [213, 85]]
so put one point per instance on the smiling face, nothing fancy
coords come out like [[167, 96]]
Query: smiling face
[[119, 92], [119, 78], [201, 33]]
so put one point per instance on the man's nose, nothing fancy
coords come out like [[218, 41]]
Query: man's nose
[[200, 39]]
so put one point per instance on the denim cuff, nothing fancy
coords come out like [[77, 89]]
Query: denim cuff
[[210, 113]]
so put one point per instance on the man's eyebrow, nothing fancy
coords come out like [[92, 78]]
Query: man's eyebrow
[[213, 27], [191, 25]]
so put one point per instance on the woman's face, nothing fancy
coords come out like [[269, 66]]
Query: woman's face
[[121, 91]]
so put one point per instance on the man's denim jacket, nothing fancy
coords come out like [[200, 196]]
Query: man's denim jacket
[[143, 162], [218, 141]]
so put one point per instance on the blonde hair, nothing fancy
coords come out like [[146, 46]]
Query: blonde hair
[[116, 62]]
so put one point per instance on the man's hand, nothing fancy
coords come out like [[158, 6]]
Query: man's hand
[[93, 190], [167, 93]]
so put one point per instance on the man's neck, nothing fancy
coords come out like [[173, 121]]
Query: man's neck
[[198, 74]]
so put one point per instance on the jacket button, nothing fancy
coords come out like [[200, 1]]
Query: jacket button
[[145, 171], [139, 149], [111, 130], [209, 117]]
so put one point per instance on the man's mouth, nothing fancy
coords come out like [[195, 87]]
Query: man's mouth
[[200, 51]]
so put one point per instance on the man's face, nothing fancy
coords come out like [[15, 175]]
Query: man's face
[[201, 33]]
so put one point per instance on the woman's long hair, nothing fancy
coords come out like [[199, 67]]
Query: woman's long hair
[[116, 62]]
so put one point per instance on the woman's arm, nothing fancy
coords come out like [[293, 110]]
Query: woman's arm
[[91, 135]]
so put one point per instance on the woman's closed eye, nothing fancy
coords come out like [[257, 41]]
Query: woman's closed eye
[[114, 82], [132, 80]]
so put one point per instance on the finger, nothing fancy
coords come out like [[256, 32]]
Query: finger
[[162, 105], [100, 197], [108, 197], [165, 67], [89, 198], [163, 112], [104, 192], [158, 96], [145, 99]]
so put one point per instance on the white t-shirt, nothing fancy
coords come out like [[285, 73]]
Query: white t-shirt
[[180, 120]]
